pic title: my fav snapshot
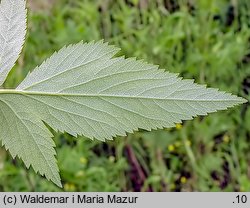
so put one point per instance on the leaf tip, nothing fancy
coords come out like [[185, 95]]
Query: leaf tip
[[243, 100], [58, 183]]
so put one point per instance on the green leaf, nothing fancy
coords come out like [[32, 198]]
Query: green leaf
[[12, 33], [24, 135], [82, 90]]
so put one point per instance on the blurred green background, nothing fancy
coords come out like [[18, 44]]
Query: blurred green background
[[207, 40]]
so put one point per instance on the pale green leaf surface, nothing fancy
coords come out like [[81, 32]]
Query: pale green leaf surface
[[25, 135], [82, 90], [12, 34]]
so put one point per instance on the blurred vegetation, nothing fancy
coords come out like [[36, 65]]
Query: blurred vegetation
[[208, 40]]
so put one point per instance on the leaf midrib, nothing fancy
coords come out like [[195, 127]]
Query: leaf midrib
[[53, 94]]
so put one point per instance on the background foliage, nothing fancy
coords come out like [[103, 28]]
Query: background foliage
[[208, 40]]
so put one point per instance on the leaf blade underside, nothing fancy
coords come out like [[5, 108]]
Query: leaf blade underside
[[86, 77], [25, 136], [82, 90], [12, 34]]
